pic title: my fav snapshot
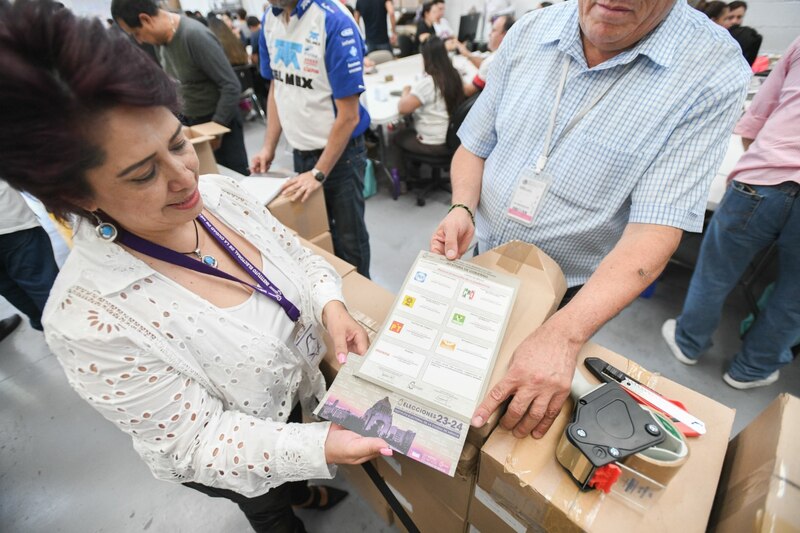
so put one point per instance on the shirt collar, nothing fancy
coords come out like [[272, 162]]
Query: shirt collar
[[658, 46], [298, 11], [105, 257]]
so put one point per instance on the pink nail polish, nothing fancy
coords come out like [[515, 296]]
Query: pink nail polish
[[386, 452], [342, 358]]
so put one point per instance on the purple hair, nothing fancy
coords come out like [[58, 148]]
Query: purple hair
[[59, 73]]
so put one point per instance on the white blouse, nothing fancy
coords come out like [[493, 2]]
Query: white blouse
[[203, 394]]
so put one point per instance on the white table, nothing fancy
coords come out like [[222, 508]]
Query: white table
[[379, 101]]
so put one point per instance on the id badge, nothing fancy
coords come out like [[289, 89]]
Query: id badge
[[527, 197], [309, 343]]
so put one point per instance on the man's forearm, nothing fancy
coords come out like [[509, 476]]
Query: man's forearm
[[340, 135], [273, 132], [635, 262], [466, 175]]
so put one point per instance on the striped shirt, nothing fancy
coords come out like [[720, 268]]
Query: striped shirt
[[646, 153]]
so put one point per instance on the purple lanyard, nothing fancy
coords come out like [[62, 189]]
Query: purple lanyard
[[263, 284]]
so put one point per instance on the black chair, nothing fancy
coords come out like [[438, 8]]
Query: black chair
[[247, 78], [406, 45], [438, 163]]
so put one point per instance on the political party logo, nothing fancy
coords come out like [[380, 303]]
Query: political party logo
[[459, 319], [447, 345], [396, 327], [408, 301], [287, 53], [420, 277], [468, 293]]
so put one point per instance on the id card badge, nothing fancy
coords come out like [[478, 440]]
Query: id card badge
[[528, 196], [308, 342]]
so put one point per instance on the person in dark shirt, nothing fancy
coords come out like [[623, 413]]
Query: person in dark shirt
[[374, 13], [748, 38], [425, 23]]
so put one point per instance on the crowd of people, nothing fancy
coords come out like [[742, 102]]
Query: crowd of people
[[594, 141]]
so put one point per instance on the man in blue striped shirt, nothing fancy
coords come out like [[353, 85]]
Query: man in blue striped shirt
[[600, 129]]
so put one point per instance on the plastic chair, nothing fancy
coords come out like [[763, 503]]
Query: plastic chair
[[439, 162]]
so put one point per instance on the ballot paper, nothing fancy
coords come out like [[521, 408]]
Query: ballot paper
[[408, 426], [267, 186], [440, 341]]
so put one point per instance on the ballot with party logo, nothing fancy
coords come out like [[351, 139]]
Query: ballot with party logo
[[439, 342]]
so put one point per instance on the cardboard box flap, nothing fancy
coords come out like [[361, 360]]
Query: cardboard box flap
[[197, 139], [538, 477], [210, 128]]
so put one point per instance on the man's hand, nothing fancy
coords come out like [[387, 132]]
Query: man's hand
[[539, 380], [262, 160], [454, 234], [347, 334], [300, 187], [393, 39]]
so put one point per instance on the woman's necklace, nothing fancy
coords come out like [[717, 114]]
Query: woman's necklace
[[209, 260]]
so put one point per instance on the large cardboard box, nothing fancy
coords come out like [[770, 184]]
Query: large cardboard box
[[324, 241], [201, 136], [308, 219], [488, 516], [414, 480], [760, 486], [524, 476], [427, 513], [541, 289], [360, 481]]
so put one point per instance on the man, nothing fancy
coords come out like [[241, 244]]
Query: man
[[748, 38], [313, 54], [260, 84], [27, 265], [595, 139], [375, 13], [191, 54], [500, 28], [761, 207]]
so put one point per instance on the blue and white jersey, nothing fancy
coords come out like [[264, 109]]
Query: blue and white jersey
[[315, 58]]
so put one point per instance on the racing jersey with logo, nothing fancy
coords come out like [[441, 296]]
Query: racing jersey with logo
[[315, 58]]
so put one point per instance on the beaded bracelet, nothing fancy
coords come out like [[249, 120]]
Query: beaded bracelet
[[471, 215]]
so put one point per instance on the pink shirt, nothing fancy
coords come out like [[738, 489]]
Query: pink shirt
[[773, 120]]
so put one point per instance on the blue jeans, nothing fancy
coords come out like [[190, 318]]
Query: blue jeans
[[749, 219], [27, 271], [344, 199]]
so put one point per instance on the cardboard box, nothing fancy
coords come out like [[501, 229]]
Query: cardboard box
[[201, 136], [524, 476], [308, 219], [342, 268], [427, 513], [760, 486], [414, 480], [488, 516], [541, 289], [324, 241], [360, 481]]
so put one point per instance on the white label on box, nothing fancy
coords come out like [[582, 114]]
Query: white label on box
[[395, 464], [405, 503], [484, 497]]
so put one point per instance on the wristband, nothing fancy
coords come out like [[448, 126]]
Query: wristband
[[468, 210]]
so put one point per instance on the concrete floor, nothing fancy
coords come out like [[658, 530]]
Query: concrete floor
[[64, 468]]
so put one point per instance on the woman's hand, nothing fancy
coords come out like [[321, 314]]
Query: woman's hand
[[347, 334], [346, 447]]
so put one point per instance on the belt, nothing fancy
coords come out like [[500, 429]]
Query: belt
[[353, 142]]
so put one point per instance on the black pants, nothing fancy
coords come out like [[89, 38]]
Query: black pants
[[27, 271], [270, 512], [231, 152]]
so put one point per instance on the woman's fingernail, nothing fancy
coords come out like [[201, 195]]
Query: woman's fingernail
[[477, 421], [386, 451], [342, 358]]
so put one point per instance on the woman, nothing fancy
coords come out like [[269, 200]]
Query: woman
[[234, 49], [432, 100], [717, 11], [201, 371], [425, 23]]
